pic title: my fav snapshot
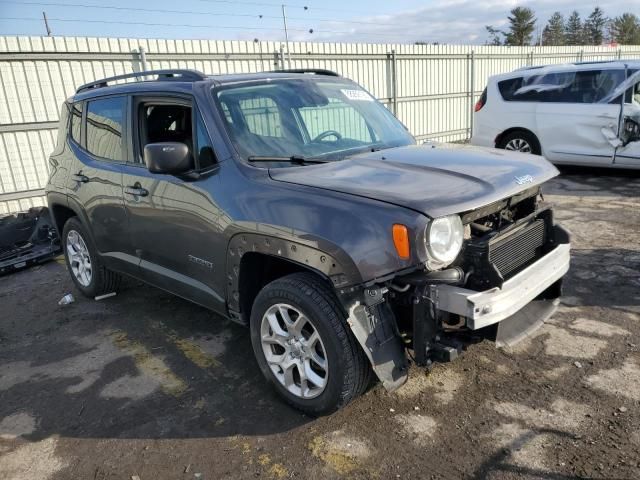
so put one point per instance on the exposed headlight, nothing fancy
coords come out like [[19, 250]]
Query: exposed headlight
[[443, 239]]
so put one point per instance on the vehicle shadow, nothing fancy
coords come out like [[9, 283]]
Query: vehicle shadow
[[143, 364], [604, 278], [594, 182]]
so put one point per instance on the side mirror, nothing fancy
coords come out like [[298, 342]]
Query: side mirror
[[168, 157]]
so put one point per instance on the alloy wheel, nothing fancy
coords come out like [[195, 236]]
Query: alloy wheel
[[518, 145], [79, 258], [294, 351]]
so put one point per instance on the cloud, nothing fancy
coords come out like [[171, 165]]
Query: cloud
[[451, 22]]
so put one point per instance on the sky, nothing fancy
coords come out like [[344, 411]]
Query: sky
[[364, 21]]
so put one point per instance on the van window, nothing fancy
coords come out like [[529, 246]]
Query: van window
[[589, 86], [105, 118]]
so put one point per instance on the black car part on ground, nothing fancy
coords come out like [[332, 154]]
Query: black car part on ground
[[27, 238]]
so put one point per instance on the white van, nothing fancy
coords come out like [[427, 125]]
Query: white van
[[580, 114]]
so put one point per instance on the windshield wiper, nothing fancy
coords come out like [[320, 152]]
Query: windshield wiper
[[297, 159]]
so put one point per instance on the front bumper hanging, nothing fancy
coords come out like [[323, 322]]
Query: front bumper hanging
[[482, 309]]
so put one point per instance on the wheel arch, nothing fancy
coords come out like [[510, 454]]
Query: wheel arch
[[511, 130], [61, 212], [253, 260]]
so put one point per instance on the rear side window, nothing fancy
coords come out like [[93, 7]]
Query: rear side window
[[589, 86], [105, 118], [76, 121]]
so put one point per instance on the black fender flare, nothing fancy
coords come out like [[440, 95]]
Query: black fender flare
[[337, 267]]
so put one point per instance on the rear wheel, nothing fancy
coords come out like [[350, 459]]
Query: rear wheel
[[303, 345], [88, 273], [520, 141]]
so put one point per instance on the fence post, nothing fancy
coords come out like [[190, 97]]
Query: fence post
[[142, 55], [619, 53], [581, 56], [472, 84], [394, 76]]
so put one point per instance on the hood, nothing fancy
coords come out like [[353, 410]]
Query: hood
[[434, 179]]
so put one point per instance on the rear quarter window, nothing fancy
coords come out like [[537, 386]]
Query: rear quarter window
[[105, 119]]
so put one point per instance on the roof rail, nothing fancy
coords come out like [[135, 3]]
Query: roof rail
[[163, 75], [315, 71]]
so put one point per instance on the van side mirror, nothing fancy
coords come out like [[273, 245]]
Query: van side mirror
[[168, 157]]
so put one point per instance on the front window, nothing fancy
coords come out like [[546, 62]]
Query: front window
[[309, 118]]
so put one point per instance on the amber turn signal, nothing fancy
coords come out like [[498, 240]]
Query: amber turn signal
[[401, 240]]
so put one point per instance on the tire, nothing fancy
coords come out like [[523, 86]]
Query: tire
[[347, 374], [101, 280], [520, 141]]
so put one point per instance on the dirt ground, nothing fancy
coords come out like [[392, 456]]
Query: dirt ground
[[145, 385]]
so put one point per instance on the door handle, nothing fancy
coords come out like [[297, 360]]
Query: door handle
[[79, 177], [136, 191]]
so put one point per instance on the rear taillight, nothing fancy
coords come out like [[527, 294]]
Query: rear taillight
[[482, 101]]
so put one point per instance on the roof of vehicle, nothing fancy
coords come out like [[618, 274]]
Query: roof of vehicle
[[568, 67], [182, 80]]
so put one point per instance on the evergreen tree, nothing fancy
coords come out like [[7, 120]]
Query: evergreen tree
[[573, 30], [594, 27], [553, 33], [625, 29], [522, 22]]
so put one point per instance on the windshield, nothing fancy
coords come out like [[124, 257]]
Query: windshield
[[307, 118]]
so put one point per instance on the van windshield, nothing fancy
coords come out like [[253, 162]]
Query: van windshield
[[307, 118]]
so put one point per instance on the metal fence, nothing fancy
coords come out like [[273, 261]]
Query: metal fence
[[431, 88]]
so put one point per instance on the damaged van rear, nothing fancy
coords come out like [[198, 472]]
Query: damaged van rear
[[295, 203]]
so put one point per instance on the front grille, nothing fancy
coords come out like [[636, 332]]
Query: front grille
[[512, 252]]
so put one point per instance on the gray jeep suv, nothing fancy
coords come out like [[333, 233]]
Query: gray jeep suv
[[293, 202]]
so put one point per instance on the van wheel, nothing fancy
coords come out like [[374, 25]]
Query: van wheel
[[303, 345], [520, 141], [88, 273]]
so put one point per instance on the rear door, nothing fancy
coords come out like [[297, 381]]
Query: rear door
[[175, 223], [571, 124], [94, 183]]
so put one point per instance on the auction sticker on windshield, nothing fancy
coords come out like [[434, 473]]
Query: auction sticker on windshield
[[359, 95]]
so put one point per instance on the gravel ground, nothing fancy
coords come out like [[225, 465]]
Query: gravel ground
[[147, 385]]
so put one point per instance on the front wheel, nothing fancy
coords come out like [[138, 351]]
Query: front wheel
[[520, 141], [303, 346]]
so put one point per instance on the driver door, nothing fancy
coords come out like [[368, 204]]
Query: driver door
[[174, 220]]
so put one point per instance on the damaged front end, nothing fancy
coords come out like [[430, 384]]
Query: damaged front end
[[505, 283], [27, 238]]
